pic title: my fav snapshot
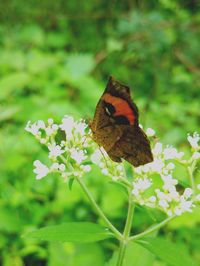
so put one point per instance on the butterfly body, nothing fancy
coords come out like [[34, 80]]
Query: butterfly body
[[115, 126]]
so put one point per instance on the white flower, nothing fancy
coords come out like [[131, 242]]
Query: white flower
[[86, 168], [177, 211], [135, 192], [170, 166], [150, 132], [163, 203], [51, 130], [198, 197], [50, 121], [62, 167], [35, 127], [169, 212], [55, 167], [157, 150], [169, 182], [40, 170], [184, 206], [96, 157], [105, 171], [140, 185], [161, 195], [196, 155], [108, 167], [157, 165], [80, 128], [74, 129], [173, 195], [54, 150], [77, 155], [188, 193], [172, 153], [193, 140], [139, 170], [171, 202], [152, 199], [67, 125]]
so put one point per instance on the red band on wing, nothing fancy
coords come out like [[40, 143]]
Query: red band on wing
[[121, 107]]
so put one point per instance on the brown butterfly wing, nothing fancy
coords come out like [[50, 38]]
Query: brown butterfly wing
[[115, 126], [116, 89], [104, 131], [107, 136], [133, 147], [122, 91]]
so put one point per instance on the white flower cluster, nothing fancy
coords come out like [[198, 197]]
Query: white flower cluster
[[41, 131], [160, 163], [41, 170], [139, 187], [66, 155], [109, 168], [193, 140], [167, 198], [154, 184], [165, 195]]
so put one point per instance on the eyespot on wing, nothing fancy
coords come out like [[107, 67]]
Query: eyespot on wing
[[122, 107]]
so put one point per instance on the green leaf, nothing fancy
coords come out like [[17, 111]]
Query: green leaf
[[188, 219], [8, 113], [121, 187], [40, 62], [135, 255], [113, 209], [7, 223], [15, 81], [172, 253], [83, 232], [70, 254], [79, 65]]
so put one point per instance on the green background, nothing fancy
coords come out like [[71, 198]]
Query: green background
[[55, 59]]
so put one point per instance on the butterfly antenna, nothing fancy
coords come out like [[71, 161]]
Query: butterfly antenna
[[87, 135]]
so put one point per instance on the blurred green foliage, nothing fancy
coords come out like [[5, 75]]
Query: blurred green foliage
[[55, 58]]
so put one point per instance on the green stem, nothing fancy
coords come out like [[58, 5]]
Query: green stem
[[126, 182], [151, 229], [190, 169], [127, 229], [98, 210]]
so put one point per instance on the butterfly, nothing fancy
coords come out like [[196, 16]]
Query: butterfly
[[115, 126]]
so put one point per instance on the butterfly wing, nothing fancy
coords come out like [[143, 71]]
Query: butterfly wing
[[104, 130], [121, 91], [107, 136], [133, 147], [115, 126], [115, 107]]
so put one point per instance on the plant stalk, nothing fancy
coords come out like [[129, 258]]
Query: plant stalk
[[117, 234], [151, 229], [127, 229], [191, 169]]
